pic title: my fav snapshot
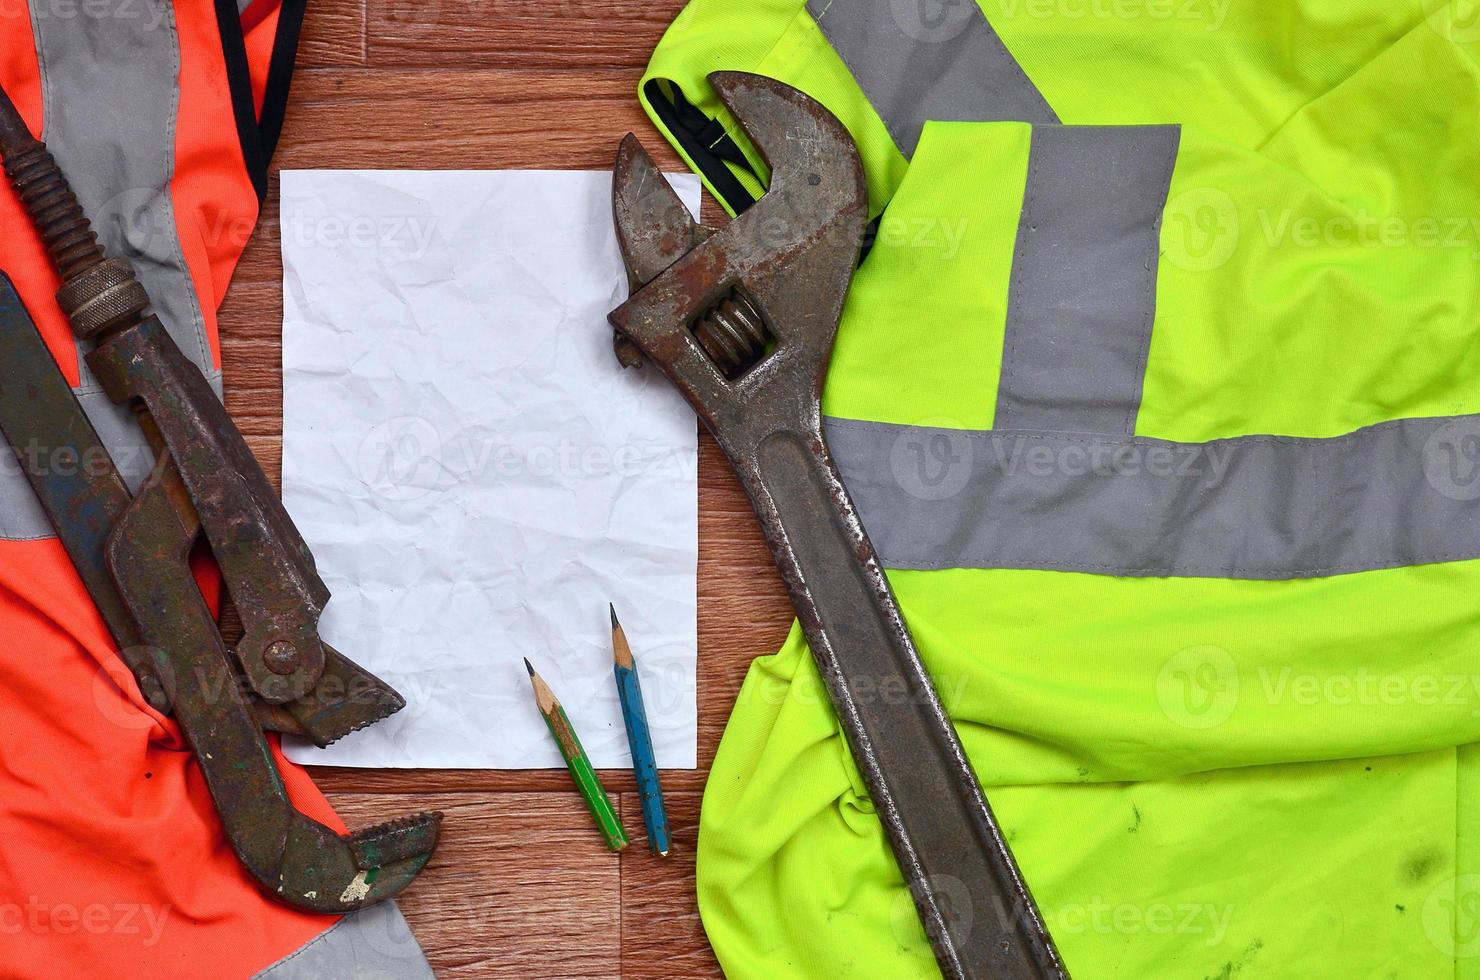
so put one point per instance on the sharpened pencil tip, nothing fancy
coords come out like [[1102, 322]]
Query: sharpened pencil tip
[[615, 624], [529, 666]]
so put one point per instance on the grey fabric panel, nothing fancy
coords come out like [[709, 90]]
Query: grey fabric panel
[[21, 516], [110, 93], [375, 944], [918, 60], [1083, 293], [110, 85], [1259, 507]]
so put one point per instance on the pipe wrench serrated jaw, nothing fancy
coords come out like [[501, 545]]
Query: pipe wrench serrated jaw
[[725, 311]]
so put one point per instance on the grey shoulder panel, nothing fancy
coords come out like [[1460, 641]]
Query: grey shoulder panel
[[111, 95], [918, 61], [111, 90], [375, 944], [1082, 298]]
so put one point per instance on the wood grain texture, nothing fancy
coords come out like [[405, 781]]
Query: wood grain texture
[[535, 33], [521, 886], [662, 937], [333, 35]]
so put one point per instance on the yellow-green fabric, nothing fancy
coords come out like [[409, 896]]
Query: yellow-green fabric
[[1199, 777], [1298, 870], [1239, 68]]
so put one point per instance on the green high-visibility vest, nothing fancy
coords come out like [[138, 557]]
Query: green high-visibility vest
[[1157, 392]]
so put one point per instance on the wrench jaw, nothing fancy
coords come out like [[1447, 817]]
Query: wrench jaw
[[347, 698], [654, 229], [306, 864], [326, 873], [815, 168], [747, 313]]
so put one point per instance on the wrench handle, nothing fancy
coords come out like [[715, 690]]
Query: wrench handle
[[976, 908]]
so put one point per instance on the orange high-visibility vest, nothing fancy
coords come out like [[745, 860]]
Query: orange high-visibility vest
[[112, 859]]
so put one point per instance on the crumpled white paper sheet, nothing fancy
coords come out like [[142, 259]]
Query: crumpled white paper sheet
[[476, 475]]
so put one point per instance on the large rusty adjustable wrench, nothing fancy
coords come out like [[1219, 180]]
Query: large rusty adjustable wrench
[[742, 320]]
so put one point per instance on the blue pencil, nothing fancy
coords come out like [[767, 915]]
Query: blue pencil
[[644, 765]]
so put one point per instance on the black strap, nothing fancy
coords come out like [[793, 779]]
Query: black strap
[[705, 142], [259, 136], [280, 73], [239, 79]]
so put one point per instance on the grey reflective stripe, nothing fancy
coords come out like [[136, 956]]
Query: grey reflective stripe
[[1260, 507], [110, 94], [1083, 292], [21, 516], [375, 944], [111, 86], [917, 60]]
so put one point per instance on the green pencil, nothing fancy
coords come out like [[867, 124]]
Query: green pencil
[[580, 767]]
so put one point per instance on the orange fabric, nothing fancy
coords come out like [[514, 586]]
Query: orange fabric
[[112, 860], [24, 256], [215, 205], [259, 27]]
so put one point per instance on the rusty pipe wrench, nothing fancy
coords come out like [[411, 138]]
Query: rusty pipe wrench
[[132, 551], [742, 320]]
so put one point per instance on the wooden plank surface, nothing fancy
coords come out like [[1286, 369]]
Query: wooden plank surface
[[521, 886]]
